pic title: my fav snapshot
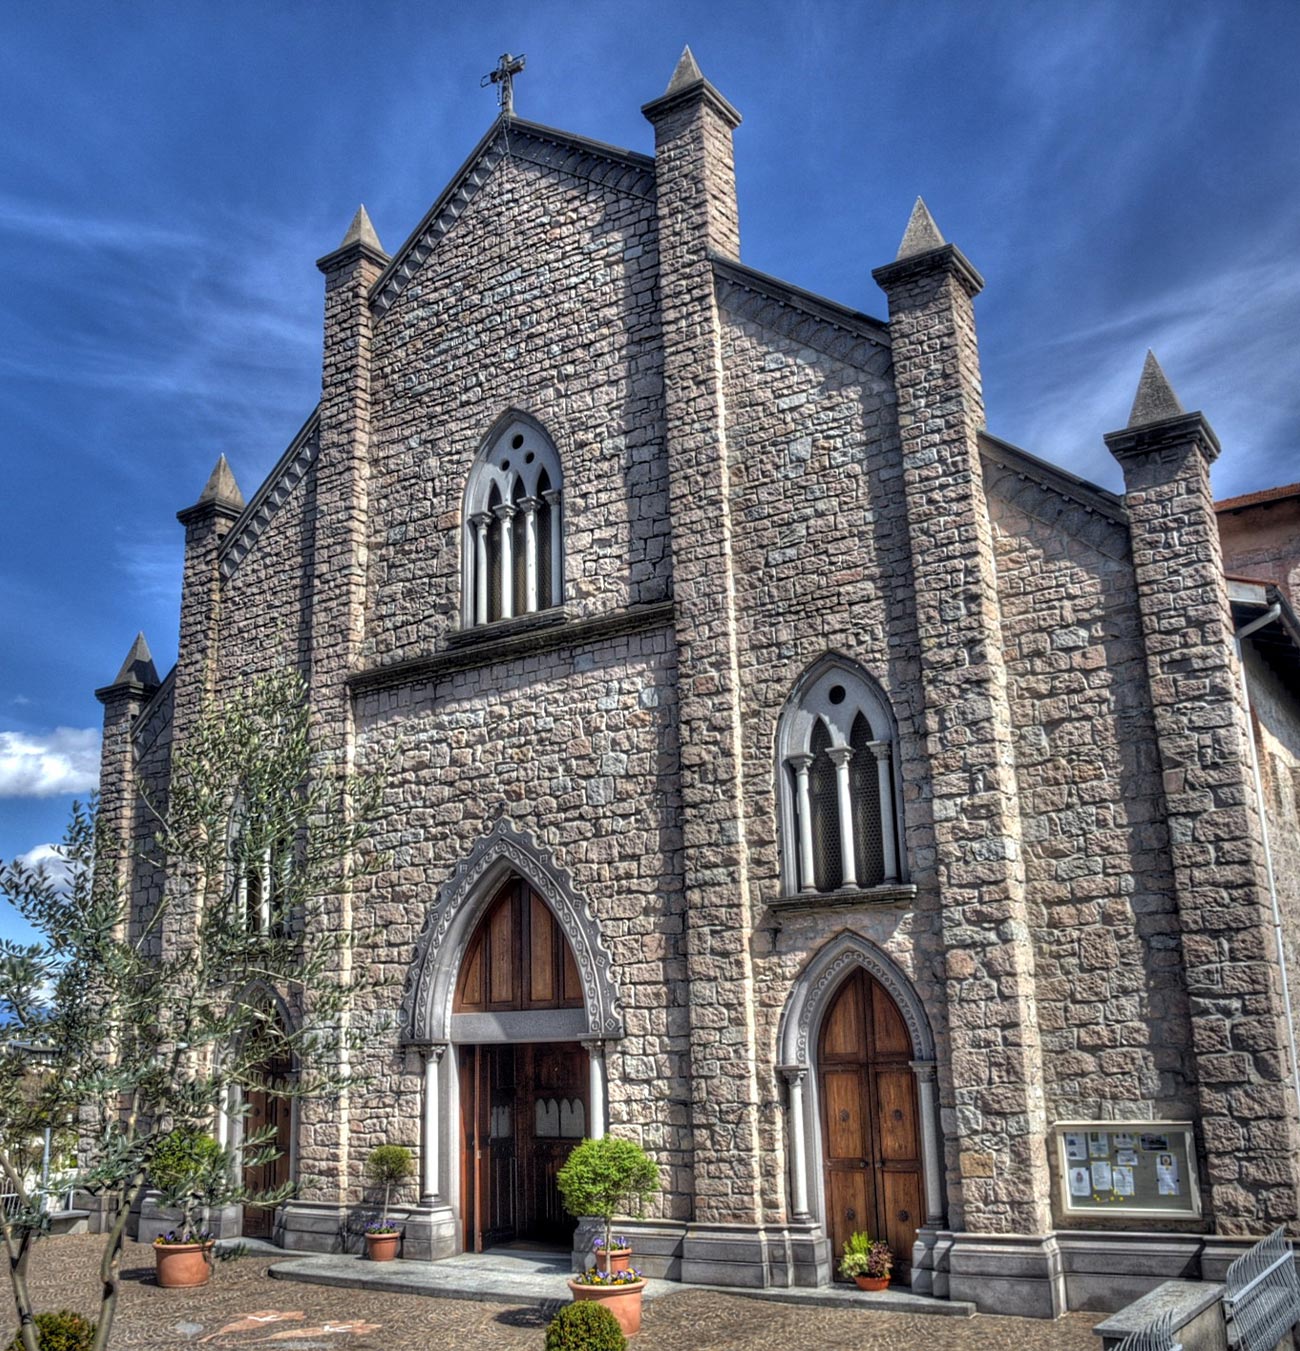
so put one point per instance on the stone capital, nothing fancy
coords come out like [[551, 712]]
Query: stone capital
[[504, 511], [840, 755]]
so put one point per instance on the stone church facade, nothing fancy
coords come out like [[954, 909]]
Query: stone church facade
[[786, 773]]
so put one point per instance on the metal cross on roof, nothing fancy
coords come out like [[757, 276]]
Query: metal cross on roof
[[503, 77]]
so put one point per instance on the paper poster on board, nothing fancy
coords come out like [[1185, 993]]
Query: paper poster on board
[[1167, 1175], [1080, 1182], [1076, 1146], [1098, 1145], [1123, 1180], [1124, 1139], [1101, 1176], [1152, 1143], [1127, 1157]]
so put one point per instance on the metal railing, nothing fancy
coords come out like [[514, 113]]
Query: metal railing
[[1262, 1299], [1158, 1335]]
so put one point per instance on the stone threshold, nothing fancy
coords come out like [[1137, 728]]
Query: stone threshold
[[542, 1283]]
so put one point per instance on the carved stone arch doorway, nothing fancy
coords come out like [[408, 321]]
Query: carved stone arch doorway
[[510, 975], [863, 1136]]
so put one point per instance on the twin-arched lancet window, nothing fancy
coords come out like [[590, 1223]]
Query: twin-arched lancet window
[[839, 823], [513, 548]]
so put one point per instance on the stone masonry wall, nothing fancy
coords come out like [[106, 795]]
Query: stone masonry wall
[[1108, 952], [577, 748], [542, 297]]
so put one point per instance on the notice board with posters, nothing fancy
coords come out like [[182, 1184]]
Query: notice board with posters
[[1143, 1168]]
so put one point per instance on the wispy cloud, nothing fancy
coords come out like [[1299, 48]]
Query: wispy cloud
[[65, 760], [49, 859]]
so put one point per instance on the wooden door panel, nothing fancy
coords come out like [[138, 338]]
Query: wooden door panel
[[848, 1205], [843, 1035], [541, 952], [896, 1098], [889, 1031], [501, 956], [901, 1206], [846, 1136]]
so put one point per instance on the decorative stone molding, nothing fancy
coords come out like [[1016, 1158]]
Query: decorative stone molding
[[270, 497], [819, 981], [155, 717], [450, 923]]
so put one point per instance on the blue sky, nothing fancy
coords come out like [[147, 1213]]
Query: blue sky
[[1123, 174]]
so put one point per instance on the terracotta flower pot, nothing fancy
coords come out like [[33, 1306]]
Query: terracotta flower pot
[[178, 1266], [616, 1259], [382, 1247], [872, 1282], [623, 1301]]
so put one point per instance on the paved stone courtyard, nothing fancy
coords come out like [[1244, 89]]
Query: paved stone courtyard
[[243, 1307]]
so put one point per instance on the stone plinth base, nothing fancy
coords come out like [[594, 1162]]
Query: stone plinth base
[[228, 1222], [429, 1230], [1016, 1274]]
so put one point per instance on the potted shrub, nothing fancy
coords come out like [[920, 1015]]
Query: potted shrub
[[603, 1178], [868, 1261], [192, 1173], [584, 1327], [388, 1166]]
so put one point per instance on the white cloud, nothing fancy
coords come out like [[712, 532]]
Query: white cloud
[[49, 764], [47, 858]]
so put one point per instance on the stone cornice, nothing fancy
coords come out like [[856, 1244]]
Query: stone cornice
[[529, 142], [1149, 437], [854, 338], [701, 91], [946, 258], [468, 655], [267, 500], [349, 253]]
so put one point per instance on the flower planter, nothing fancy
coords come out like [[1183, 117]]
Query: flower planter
[[382, 1247], [623, 1301], [180, 1266], [616, 1259], [872, 1282]]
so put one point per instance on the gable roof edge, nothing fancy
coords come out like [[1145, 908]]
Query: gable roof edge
[[1070, 486], [289, 470]]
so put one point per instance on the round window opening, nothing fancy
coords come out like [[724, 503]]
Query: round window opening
[[516, 441], [529, 458], [836, 695], [505, 464]]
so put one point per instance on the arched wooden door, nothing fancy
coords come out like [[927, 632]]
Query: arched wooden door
[[523, 1104], [871, 1142], [269, 1114]]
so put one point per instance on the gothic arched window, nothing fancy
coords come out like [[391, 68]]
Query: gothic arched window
[[839, 817], [513, 543]]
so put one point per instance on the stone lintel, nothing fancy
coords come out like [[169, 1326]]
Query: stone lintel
[[851, 898], [946, 258], [1151, 437]]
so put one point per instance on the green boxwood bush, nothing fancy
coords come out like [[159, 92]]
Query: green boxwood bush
[[584, 1326], [62, 1331]]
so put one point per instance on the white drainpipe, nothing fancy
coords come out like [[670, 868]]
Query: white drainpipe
[[1241, 634]]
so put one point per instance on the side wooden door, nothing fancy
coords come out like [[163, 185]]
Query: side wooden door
[[871, 1146]]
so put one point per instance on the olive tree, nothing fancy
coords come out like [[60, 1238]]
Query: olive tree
[[153, 1018]]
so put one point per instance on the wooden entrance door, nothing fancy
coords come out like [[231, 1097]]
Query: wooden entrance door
[[523, 1107], [871, 1142], [267, 1111]]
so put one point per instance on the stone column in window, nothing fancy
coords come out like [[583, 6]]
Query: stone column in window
[[888, 830], [429, 1170], [552, 496], [505, 513], [794, 1077], [925, 1092], [480, 521], [264, 898], [529, 506], [801, 764], [840, 757]]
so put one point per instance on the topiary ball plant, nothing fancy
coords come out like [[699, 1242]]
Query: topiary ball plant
[[62, 1331], [584, 1327], [389, 1165], [605, 1177]]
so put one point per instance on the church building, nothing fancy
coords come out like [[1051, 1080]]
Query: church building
[[885, 828]]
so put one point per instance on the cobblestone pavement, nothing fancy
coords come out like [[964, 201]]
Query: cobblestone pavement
[[243, 1307]]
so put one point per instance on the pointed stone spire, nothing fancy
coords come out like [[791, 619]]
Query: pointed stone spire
[[921, 235], [221, 488], [687, 73], [1155, 398], [138, 668], [361, 231]]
